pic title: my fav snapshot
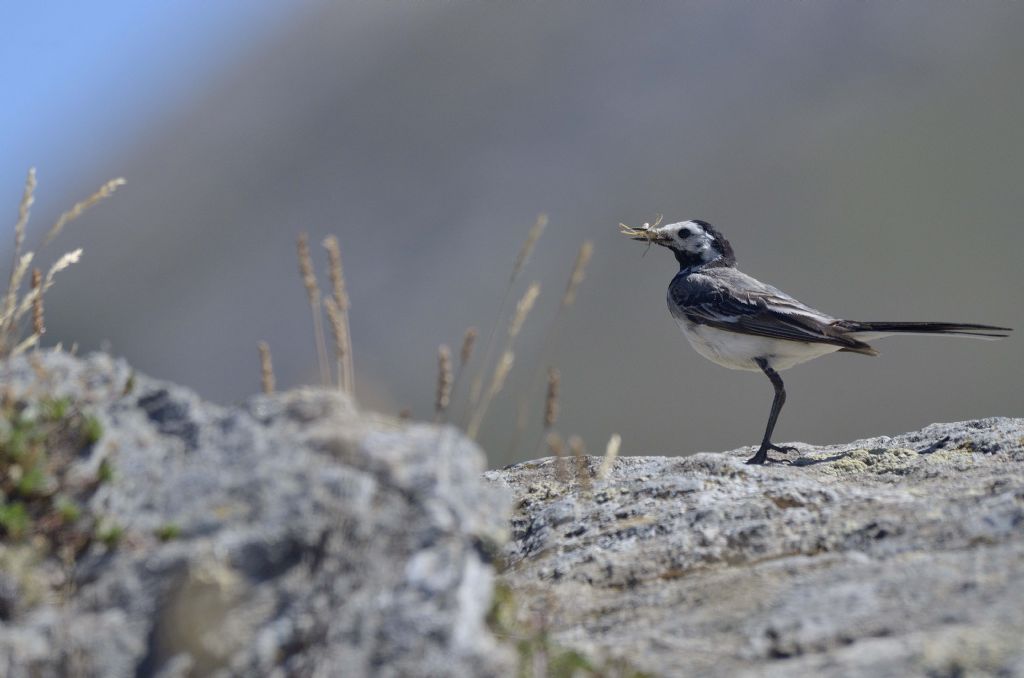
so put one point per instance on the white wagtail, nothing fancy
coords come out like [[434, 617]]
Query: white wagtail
[[741, 323]]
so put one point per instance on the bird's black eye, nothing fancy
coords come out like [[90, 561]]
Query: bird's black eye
[[684, 234]]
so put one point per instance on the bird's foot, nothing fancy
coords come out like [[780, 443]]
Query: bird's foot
[[761, 457]]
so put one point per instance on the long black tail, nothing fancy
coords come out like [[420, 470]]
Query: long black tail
[[958, 329]]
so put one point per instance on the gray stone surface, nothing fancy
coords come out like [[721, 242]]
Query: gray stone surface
[[892, 556], [314, 540]]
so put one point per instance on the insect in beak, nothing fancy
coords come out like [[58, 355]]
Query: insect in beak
[[647, 233]]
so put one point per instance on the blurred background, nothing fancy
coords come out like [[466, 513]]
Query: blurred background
[[865, 157]]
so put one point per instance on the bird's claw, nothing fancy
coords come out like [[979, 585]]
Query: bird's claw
[[761, 457]]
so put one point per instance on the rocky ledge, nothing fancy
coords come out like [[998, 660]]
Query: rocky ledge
[[146, 532], [289, 536], [889, 556]]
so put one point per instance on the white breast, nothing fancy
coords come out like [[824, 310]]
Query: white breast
[[738, 351]]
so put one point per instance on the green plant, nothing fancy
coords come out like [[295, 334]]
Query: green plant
[[55, 409], [14, 519], [92, 430], [39, 440], [68, 510], [105, 474], [168, 531], [109, 533]]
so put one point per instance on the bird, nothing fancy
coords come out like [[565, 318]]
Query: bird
[[739, 322]]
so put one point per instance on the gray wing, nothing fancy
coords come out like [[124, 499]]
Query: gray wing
[[733, 301]]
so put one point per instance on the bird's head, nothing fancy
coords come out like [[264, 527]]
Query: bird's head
[[694, 242]]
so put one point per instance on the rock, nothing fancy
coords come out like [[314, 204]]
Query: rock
[[889, 556], [291, 535]]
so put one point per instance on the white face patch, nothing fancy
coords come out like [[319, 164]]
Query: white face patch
[[690, 237]]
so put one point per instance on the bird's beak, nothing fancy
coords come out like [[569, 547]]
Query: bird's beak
[[648, 234]]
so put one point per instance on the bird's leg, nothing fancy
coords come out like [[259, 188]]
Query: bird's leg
[[780, 399]]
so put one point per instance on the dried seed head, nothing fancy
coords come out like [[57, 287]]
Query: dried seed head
[[306, 269], [37, 303], [578, 272], [266, 368], [531, 241], [501, 372], [105, 191], [468, 342], [8, 313], [551, 401], [338, 288], [28, 197], [523, 309], [444, 379], [337, 321]]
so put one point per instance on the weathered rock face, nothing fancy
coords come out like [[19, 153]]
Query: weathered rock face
[[890, 556], [289, 536]]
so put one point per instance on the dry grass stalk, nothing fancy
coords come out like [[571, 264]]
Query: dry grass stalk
[[444, 381], [501, 371], [28, 198], [313, 294], [13, 309], [531, 241], [339, 291], [524, 254], [611, 452], [7, 313], [557, 450], [579, 454], [105, 191], [465, 355], [342, 346], [19, 264], [266, 368], [523, 415], [468, 342], [551, 399], [523, 309], [25, 345], [578, 272], [37, 303]]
